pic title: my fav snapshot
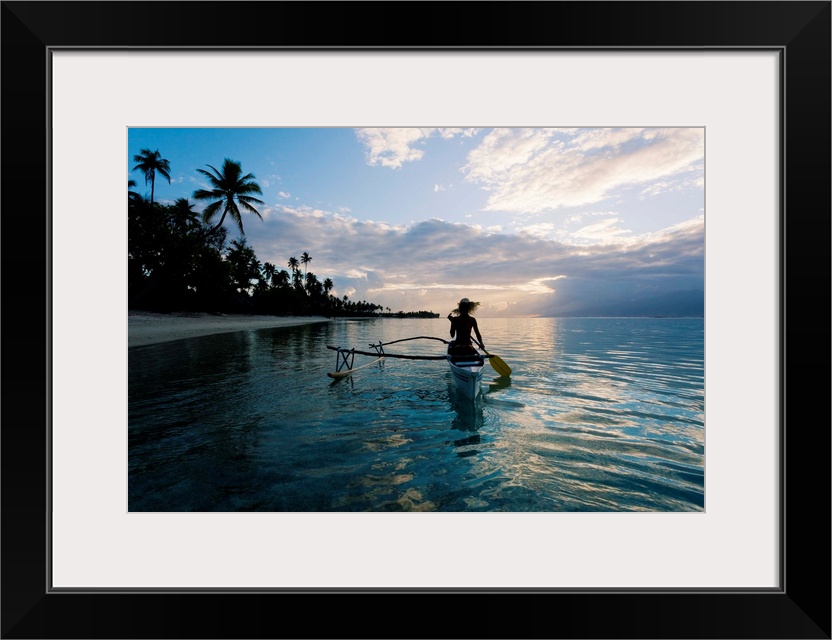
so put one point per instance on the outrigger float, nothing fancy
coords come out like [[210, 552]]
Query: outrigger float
[[466, 369]]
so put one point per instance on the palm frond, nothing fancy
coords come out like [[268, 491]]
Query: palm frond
[[246, 202], [249, 187], [211, 210], [231, 170], [215, 179], [164, 171], [204, 194]]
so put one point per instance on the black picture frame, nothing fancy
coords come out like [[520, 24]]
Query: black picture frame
[[799, 608]]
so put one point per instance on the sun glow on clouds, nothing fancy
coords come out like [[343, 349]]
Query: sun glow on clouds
[[437, 296], [430, 261]]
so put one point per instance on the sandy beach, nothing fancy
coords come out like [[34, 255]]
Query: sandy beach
[[144, 328]]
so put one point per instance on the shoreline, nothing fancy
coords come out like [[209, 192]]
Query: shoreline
[[146, 327]]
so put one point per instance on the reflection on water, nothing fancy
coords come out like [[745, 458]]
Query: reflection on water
[[598, 415]]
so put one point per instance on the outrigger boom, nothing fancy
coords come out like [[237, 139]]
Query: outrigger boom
[[345, 358]]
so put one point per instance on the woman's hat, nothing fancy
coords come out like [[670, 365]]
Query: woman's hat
[[466, 306]]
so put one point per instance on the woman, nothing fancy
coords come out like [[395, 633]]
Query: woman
[[461, 325]]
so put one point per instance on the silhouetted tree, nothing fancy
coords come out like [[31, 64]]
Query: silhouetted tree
[[230, 188], [245, 267], [150, 163]]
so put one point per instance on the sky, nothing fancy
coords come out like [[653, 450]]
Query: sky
[[529, 222]]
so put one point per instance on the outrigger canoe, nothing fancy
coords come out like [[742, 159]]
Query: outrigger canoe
[[466, 370]]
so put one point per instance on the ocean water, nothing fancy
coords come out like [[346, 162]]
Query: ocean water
[[599, 415]]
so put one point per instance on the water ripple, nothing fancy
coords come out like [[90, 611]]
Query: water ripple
[[598, 415]]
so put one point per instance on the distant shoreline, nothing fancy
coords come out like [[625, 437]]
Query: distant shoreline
[[146, 328]]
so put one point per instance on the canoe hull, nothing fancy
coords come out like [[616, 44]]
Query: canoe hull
[[466, 372]]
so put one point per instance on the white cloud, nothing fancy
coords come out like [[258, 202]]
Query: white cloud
[[502, 150], [450, 133], [590, 139], [665, 186], [540, 230], [392, 147], [284, 194], [694, 226], [603, 232], [490, 230], [579, 217], [436, 263], [304, 211], [531, 171]]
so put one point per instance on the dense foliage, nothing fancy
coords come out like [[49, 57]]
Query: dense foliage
[[177, 261]]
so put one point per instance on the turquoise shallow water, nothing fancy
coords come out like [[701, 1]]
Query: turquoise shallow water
[[599, 414]]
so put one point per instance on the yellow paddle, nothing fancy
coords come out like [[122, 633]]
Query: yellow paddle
[[496, 362]]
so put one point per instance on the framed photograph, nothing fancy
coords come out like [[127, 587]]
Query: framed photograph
[[750, 79]]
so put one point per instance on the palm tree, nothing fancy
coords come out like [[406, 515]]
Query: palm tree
[[328, 285], [313, 285], [281, 279], [150, 163], [294, 265], [230, 188], [305, 260], [183, 214], [245, 267], [269, 271], [131, 195]]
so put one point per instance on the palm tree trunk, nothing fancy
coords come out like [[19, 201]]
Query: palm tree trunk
[[219, 224]]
